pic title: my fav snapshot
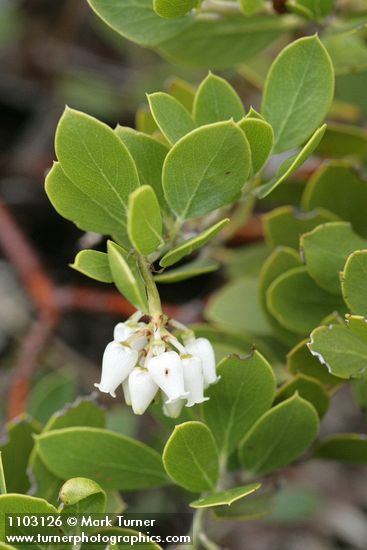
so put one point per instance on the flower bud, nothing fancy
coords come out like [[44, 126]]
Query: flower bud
[[173, 410], [142, 390], [117, 363], [194, 379], [123, 331], [201, 347], [167, 372]]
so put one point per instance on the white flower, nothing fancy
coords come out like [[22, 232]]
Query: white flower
[[173, 410], [123, 331], [126, 391], [167, 372], [201, 347], [142, 390], [194, 379], [117, 363]]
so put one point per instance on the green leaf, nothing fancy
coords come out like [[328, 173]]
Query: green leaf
[[327, 189], [325, 250], [171, 116], [354, 282], [51, 392], [80, 495], [112, 460], [144, 123], [136, 20], [148, 154], [250, 7], [298, 92], [282, 259], [301, 360], [280, 436], [174, 8], [75, 205], [308, 388], [225, 497], [242, 261], [206, 169], [82, 413], [349, 448], [284, 226], [216, 100], [127, 277], [93, 264], [190, 457], [341, 140], [317, 8], [183, 91], [15, 453], [288, 169], [254, 507], [233, 40], [188, 271], [97, 162], [342, 348], [236, 306], [245, 391], [24, 504], [189, 246], [260, 136], [144, 220], [298, 303]]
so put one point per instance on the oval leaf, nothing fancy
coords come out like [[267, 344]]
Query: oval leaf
[[342, 348], [300, 360], [260, 136], [327, 189], [298, 92], [187, 271], [144, 220], [354, 282], [325, 250], [216, 100], [280, 436], [206, 170], [112, 460], [308, 388], [225, 497], [349, 448], [291, 165], [244, 393], [148, 154], [75, 205], [171, 116], [298, 303], [97, 162], [190, 457], [24, 504], [126, 275], [80, 495], [189, 246], [93, 264]]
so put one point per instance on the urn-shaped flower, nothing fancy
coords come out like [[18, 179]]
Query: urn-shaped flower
[[167, 372], [117, 363]]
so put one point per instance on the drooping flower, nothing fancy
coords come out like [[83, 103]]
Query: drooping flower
[[126, 392], [193, 379], [201, 347], [127, 330], [173, 410], [142, 389], [167, 372], [117, 363]]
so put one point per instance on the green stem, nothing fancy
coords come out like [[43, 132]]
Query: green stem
[[154, 301], [2, 478]]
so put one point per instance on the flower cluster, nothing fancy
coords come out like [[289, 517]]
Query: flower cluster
[[149, 361]]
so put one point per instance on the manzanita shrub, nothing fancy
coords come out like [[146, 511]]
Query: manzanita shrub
[[168, 195]]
